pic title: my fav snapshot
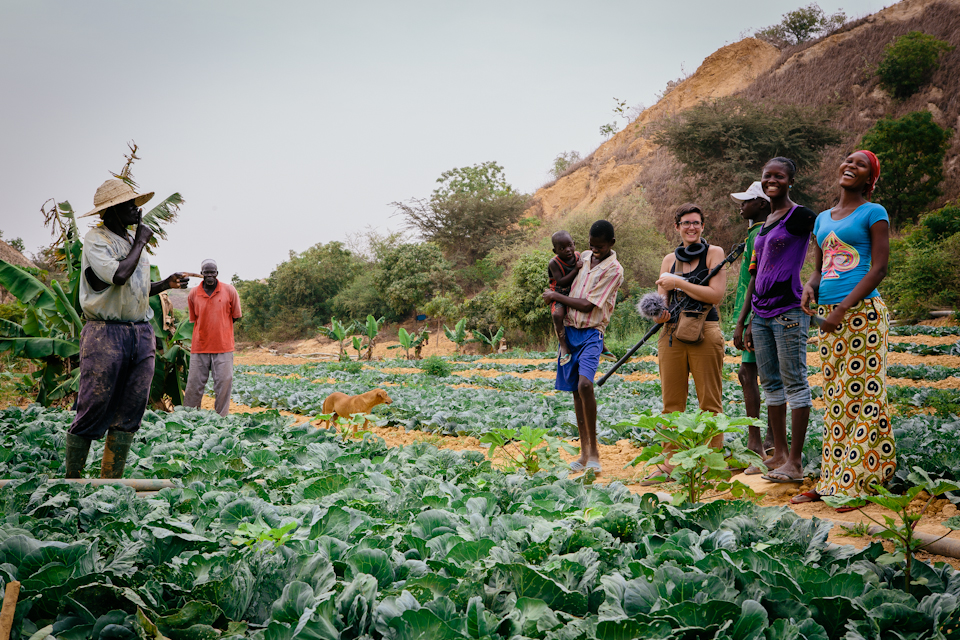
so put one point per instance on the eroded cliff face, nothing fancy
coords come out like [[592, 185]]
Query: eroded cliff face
[[617, 162], [615, 166]]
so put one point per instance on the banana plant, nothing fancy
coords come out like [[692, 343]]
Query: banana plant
[[458, 335], [372, 329], [172, 362], [339, 332], [409, 341], [358, 346], [49, 333], [491, 340]]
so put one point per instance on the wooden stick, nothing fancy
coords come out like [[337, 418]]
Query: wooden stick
[[139, 484], [10, 596]]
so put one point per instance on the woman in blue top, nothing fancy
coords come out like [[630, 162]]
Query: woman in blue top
[[853, 246]]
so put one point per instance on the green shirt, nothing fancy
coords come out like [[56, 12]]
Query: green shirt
[[744, 282]]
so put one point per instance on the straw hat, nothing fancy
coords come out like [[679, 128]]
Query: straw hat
[[114, 192]]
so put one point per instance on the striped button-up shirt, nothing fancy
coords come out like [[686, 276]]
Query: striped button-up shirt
[[598, 285]]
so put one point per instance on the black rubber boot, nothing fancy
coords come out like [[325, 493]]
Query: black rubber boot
[[115, 453], [75, 458]]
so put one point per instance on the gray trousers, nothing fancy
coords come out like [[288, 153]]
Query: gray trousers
[[201, 365]]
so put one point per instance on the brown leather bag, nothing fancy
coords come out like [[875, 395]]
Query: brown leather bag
[[689, 327]]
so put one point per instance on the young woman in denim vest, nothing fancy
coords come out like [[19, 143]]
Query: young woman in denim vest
[[778, 332]]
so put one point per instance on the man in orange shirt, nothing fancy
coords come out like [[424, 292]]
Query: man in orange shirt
[[214, 306]]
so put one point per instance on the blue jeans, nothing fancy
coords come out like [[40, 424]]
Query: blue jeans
[[781, 347]]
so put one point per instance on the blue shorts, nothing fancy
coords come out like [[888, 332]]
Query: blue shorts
[[585, 348]]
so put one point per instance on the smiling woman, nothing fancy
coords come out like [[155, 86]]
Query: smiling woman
[[683, 273], [853, 244]]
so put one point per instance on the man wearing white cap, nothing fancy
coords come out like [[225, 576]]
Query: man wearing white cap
[[214, 306], [754, 209], [117, 345]]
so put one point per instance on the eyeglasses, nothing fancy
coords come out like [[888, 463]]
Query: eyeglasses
[[686, 224]]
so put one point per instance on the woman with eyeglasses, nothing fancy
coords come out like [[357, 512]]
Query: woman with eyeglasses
[[682, 275], [778, 331]]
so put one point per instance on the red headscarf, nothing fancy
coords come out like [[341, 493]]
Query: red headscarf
[[874, 170]]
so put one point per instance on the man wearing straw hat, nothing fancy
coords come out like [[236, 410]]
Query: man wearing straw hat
[[214, 306], [117, 344]]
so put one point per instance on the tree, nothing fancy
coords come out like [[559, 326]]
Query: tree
[[411, 274], [484, 179], [909, 62], [473, 211], [911, 150], [311, 279], [806, 23], [520, 303], [727, 141]]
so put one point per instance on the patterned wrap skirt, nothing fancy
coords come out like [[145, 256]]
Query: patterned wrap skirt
[[858, 445]]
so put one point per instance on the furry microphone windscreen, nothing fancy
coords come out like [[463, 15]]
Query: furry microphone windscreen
[[651, 306]]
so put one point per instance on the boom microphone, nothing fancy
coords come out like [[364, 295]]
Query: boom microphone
[[652, 305]]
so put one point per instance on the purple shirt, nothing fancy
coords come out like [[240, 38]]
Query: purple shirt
[[778, 254]]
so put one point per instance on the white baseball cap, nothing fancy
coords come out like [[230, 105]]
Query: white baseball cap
[[753, 191]]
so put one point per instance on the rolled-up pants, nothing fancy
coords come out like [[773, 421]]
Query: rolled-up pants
[[201, 366], [116, 369]]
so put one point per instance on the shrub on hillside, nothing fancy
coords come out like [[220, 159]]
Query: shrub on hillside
[[640, 247], [924, 271], [724, 143], [943, 222], [909, 62], [806, 23], [473, 211], [520, 304], [911, 151]]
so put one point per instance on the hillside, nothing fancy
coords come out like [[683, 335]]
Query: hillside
[[836, 71]]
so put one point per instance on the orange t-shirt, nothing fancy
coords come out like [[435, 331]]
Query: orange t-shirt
[[213, 318]]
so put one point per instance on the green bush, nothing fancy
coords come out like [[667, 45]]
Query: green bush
[[520, 304], [436, 366], [909, 62], [923, 275], [911, 151], [347, 366], [727, 141], [943, 222]]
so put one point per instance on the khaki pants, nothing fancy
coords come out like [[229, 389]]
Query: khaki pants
[[703, 360], [201, 366]]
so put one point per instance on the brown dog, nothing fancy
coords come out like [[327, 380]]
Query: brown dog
[[343, 406]]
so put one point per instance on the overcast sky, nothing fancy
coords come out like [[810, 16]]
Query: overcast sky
[[285, 124]]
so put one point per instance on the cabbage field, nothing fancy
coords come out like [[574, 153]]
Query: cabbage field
[[276, 530]]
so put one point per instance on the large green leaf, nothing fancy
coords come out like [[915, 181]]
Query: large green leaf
[[39, 348], [532, 584], [374, 562], [25, 287]]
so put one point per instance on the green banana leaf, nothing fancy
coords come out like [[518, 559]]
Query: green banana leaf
[[25, 287]]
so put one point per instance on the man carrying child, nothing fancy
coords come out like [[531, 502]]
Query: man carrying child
[[590, 304]]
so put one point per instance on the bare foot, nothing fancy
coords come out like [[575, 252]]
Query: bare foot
[[775, 462], [787, 471]]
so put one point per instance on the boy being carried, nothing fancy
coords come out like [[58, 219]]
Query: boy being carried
[[562, 270], [593, 295]]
